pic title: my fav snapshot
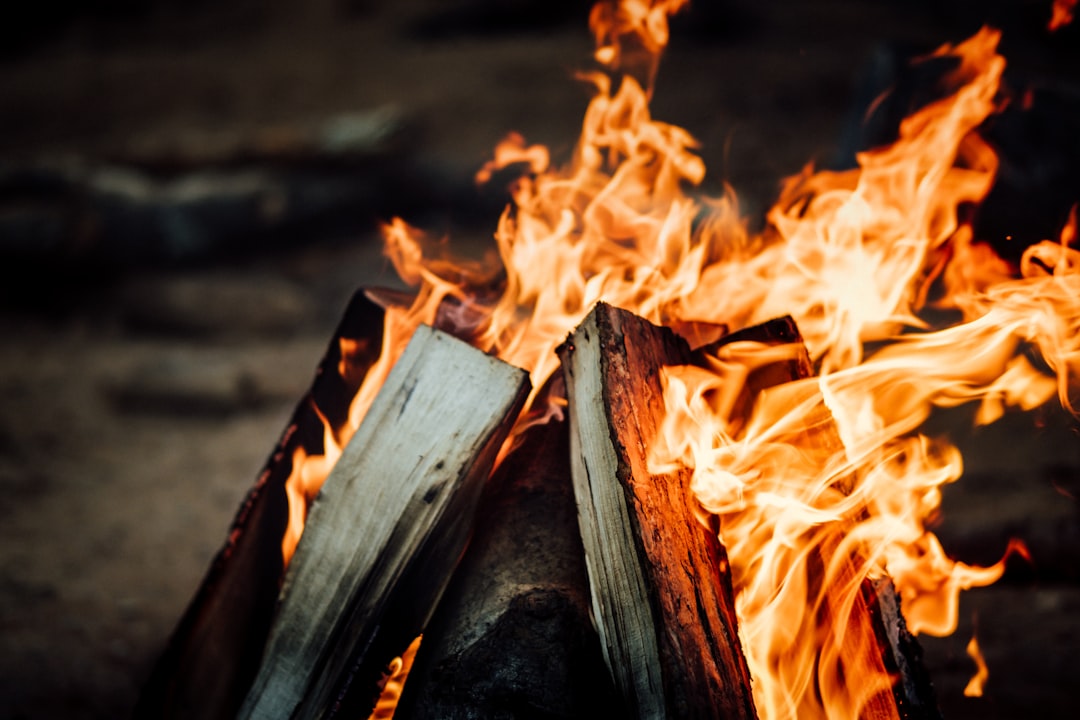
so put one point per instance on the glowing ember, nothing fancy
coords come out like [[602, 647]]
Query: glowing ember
[[1061, 14], [829, 471]]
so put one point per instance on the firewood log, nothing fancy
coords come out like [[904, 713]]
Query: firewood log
[[660, 589], [512, 635], [213, 654], [388, 527]]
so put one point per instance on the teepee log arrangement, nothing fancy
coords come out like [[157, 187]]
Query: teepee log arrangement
[[590, 583]]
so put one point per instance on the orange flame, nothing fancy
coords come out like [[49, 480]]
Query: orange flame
[[303, 483], [513, 150], [977, 682], [614, 226], [826, 481], [396, 675], [1061, 14], [631, 34], [783, 498]]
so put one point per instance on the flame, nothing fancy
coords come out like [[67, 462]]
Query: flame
[[304, 482], [977, 682], [615, 226], [789, 502], [513, 150], [1061, 14], [394, 682], [825, 481]]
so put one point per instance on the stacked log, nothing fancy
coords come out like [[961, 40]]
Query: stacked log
[[590, 585]]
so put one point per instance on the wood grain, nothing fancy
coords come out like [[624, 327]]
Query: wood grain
[[389, 525], [660, 590]]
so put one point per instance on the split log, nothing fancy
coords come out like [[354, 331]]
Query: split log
[[214, 652], [901, 653], [388, 526], [512, 636], [661, 593]]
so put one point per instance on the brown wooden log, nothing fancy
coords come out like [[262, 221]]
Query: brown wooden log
[[213, 654], [512, 636], [388, 527], [660, 590]]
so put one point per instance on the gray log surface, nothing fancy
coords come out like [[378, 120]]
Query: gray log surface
[[388, 527]]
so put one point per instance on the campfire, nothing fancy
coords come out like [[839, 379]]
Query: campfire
[[644, 461]]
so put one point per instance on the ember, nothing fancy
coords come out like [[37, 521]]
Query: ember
[[853, 257]]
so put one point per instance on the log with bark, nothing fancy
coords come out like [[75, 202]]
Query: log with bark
[[512, 636], [388, 527], [901, 653], [661, 593]]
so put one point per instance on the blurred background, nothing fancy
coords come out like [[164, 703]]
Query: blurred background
[[190, 192]]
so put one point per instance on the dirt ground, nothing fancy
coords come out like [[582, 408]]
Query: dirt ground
[[138, 400]]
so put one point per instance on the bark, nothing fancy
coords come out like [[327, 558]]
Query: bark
[[661, 592]]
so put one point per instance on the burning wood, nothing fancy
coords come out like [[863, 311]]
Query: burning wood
[[661, 593], [389, 525], [858, 623], [819, 486], [542, 595]]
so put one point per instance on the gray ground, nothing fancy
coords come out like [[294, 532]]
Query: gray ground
[[137, 404]]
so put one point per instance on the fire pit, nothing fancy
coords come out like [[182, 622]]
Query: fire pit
[[796, 453]]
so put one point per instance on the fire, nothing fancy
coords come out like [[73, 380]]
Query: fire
[[303, 483], [827, 481], [631, 34], [975, 686], [396, 674]]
